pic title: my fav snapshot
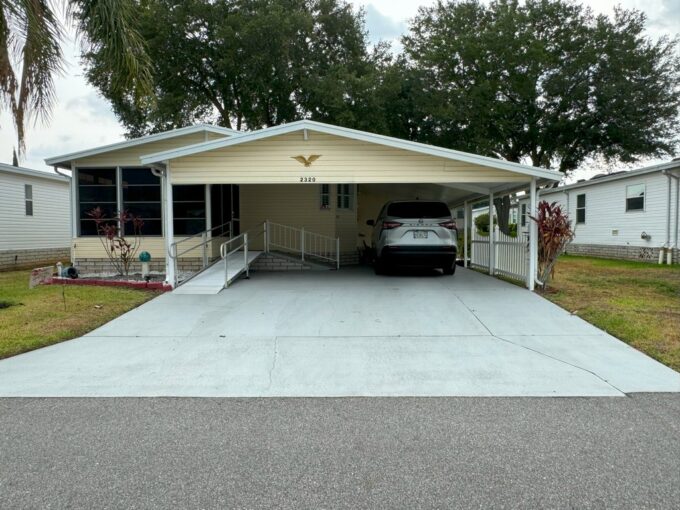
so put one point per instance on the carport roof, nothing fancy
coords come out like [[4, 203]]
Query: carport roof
[[540, 173]]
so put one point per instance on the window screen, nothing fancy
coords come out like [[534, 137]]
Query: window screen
[[344, 196], [188, 205], [635, 197], [418, 210], [325, 196], [581, 208], [142, 198], [96, 188], [28, 199]]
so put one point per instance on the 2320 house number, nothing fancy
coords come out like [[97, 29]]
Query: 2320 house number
[[307, 179]]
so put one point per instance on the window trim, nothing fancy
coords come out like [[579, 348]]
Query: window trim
[[584, 209], [644, 198], [27, 200]]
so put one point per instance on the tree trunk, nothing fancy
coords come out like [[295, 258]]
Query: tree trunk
[[502, 205]]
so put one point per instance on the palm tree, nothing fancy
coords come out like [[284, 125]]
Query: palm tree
[[30, 52]]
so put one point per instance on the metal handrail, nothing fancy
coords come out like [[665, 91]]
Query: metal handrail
[[310, 243], [203, 234], [246, 237]]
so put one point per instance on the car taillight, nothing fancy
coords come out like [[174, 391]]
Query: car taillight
[[451, 225], [387, 225]]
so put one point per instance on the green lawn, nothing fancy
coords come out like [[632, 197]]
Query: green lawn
[[44, 316], [637, 302]]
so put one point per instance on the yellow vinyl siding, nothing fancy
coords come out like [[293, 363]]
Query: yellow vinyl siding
[[91, 247], [342, 160], [291, 205], [130, 156]]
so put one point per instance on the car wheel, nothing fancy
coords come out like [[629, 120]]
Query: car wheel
[[450, 269]]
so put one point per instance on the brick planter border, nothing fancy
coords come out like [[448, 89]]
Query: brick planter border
[[101, 282]]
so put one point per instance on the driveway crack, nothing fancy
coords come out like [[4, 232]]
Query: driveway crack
[[536, 351], [274, 360]]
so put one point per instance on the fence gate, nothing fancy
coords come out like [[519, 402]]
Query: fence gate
[[511, 254]]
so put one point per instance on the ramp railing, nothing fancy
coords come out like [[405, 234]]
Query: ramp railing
[[308, 245]]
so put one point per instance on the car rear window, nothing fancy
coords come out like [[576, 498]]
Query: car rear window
[[418, 210]]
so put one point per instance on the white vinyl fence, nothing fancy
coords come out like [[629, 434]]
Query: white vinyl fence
[[511, 254]]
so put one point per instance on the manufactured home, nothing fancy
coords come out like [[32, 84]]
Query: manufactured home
[[217, 202], [34, 217], [625, 215]]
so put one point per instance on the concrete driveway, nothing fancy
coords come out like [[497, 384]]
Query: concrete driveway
[[346, 333]]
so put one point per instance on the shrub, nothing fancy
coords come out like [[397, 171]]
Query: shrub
[[120, 250], [554, 233], [482, 224]]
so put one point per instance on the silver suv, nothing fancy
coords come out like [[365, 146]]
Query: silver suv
[[415, 234]]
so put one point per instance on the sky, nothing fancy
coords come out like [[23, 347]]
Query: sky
[[82, 119]]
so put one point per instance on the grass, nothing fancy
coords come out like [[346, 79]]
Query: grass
[[47, 314], [637, 302]]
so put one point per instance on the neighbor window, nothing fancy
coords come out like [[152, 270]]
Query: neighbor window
[[460, 214], [581, 208], [635, 197], [523, 219], [96, 188], [142, 198], [345, 196], [325, 196], [28, 199], [188, 205]]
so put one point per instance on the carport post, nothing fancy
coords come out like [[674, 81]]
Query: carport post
[[492, 236], [465, 234], [533, 238], [170, 262]]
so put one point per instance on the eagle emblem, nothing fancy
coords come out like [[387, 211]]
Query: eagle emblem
[[306, 161]]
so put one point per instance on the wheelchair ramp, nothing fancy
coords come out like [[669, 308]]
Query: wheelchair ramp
[[211, 280]]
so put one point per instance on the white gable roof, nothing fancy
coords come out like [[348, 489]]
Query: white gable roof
[[197, 128], [355, 135], [29, 172]]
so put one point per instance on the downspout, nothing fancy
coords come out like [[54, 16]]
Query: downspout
[[667, 245], [671, 176]]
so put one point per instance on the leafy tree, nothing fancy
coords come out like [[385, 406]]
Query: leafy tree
[[544, 81], [251, 63], [30, 52]]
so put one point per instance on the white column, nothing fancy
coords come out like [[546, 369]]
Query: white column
[[170, 274], [465, 234], [533, 238], [208, 209], [492, 237]]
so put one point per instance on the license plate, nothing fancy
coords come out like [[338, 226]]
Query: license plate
[[420, 234]]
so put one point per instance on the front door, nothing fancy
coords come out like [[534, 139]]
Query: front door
[[224, 199]]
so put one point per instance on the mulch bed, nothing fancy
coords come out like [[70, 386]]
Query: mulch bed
[[108, 281]]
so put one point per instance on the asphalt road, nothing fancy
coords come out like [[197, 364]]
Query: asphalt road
[[341, 453]]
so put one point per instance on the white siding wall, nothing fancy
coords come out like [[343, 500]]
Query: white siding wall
[[49, 227], [606, 212]]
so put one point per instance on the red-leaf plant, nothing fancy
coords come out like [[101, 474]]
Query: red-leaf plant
[[120, 249], [554, 233]]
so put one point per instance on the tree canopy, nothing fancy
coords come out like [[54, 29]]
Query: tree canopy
[[546, 81], [251, 63]]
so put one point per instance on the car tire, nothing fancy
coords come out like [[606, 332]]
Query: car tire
[[450, 269]]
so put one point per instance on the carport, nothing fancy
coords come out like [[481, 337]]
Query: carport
[[317, 184]]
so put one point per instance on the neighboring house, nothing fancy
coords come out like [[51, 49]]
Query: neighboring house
[[35, 223], [319, 182], [628, 215]]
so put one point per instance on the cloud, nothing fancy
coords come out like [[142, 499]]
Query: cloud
[[382, 27]]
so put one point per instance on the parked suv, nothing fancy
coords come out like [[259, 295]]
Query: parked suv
[[415, 233]]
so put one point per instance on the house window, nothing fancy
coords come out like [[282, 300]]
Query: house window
[[28, 199], [325, 196], [460, 214], [523, 219], [142, 198], [345, 196], [581, 208], [635, 197], [188, 206], [96, 188]]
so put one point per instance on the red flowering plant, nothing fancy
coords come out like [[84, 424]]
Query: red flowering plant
[[554, 233], [120, 249]]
